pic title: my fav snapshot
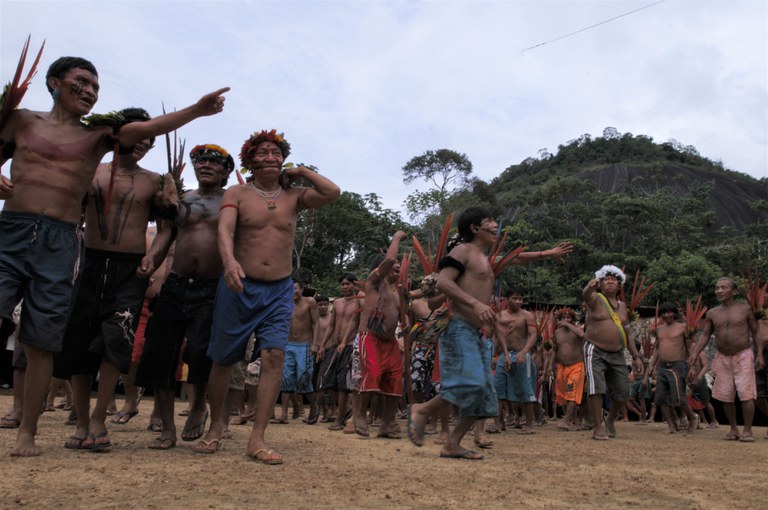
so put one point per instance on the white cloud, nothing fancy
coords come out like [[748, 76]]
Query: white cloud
[[361, 87]]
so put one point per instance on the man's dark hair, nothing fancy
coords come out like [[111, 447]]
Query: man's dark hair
[[135, 114], [61, 65], [667, 307], [298, 280], [322, 298], [471, 216], [514, 290], [349, 277]]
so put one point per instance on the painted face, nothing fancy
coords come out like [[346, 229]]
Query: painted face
[[515, 302], [488, 231], [347, 288], [78, 90], [209, 170], [267, 158]]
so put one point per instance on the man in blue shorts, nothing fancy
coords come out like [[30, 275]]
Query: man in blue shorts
[[40, 235], [467, 279], [255, 294], [515, 375]]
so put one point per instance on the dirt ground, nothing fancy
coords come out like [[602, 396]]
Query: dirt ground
[[642, 467]]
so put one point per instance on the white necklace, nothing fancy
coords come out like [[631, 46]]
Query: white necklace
[[270, 197]]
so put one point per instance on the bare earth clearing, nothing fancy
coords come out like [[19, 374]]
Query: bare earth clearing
[[642, 468]]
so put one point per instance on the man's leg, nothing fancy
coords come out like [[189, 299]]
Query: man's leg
[[36, 381], [81, 402], [97, 428], [341, 410], [596, 412], [361, 420], [164, 403], [388, 423], [284, 398], [610, 420], [194, 426], [748, 412], [730, 413], [132, 396], [12, 418], [568, 420], [420, 413], [269, 387], [665, 411], [529, 409], [218, 387]]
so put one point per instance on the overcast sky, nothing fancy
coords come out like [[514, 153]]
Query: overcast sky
[[359, 88]]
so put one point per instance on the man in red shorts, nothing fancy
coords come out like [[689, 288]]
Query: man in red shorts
[[381, 362]]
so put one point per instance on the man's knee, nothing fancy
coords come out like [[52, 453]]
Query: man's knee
[[272, 359]]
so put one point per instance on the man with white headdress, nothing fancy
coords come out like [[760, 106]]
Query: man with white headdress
[[606, 337]]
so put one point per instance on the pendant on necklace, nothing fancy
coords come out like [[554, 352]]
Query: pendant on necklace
[[271, 204]]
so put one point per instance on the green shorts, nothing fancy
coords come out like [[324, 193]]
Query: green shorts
[[607, 373]]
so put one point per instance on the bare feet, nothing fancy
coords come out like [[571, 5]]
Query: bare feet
[[25, 445], [416, 423]]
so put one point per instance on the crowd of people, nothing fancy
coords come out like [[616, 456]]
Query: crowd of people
[[212, 300]]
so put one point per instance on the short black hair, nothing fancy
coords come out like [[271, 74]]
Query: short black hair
[[349, 277], [471, 216], [667, 306], [61, 65], [514, 290], [322, 298]]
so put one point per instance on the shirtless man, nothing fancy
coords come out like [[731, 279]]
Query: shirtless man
[[568, 352], [184, 308], [54, 161], [257, 225], [606, 337], [515, 376], [318, 399], [671, 356], [297, 367], [102, 325], [466, 278], [381, 362], [336, 349], [735, 361]]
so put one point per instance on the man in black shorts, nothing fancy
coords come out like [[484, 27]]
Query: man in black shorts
[[185, 304], [101, 329]]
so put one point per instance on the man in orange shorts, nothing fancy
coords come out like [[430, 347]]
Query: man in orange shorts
[[568, 352], [381, 362]]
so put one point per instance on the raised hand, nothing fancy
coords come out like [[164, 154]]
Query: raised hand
[[211, 103]]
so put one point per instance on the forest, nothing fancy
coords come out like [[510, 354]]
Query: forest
[[660, 209]]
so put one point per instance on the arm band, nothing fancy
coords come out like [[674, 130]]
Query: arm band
[[449, 261], [227, 205]]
